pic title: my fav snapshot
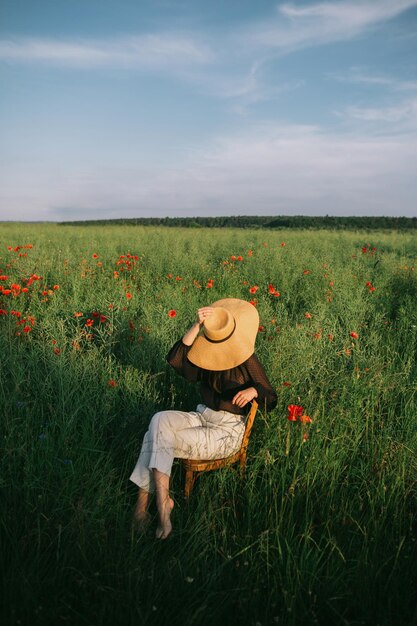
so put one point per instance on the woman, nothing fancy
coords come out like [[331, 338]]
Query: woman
[[222, 359]]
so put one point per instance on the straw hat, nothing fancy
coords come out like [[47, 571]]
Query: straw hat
[[228, 337]]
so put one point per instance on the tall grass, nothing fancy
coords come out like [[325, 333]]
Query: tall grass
[[323, 528]]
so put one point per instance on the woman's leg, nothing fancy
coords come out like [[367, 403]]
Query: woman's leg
[[142, 476], [155, 461], [164, 503], [141, 514], [194, 434]]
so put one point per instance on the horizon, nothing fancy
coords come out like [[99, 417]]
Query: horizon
[[294, 217], [184, 109]]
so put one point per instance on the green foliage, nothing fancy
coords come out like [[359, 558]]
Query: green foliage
[[321, 531], [259, 221]]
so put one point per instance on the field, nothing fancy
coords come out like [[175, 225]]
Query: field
[[323, 528]]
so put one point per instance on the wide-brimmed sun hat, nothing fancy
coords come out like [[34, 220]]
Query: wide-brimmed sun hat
[[228, 337]]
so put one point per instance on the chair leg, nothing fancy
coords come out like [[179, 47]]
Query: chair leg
[[190, 477]]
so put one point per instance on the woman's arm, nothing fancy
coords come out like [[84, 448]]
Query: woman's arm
[[266, 395], [177, 356], [191, 334], [244, 396]]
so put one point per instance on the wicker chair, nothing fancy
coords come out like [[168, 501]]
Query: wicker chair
[[195, 467]]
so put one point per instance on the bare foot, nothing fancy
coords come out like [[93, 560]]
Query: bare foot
[[141, 520], [165, 527]]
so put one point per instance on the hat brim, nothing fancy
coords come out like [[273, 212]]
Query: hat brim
[[237, 348]]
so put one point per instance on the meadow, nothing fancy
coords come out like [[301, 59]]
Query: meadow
[[322, 530]]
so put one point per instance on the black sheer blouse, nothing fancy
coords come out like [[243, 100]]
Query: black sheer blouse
[[219, 388]]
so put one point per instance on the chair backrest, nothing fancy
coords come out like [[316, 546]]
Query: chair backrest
[[249, 423]]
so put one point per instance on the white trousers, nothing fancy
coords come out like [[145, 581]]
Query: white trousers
[[199, 434]]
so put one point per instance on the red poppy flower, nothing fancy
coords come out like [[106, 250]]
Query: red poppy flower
[[3, 312], [261, 328], [307, 315], [294, 411], [57, 350], [89, 322], [240, 258], [172, 313], [78, 314], [27, 329], [271, 288], [253, 289], [250, 253], [128, 295], [305, 419], [354, 335], [283, 244], [286, 384], [111, 383], [95, 256]]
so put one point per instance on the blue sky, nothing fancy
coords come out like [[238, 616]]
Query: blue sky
[[130, 108]]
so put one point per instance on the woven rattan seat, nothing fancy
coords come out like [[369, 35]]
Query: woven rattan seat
[[194, 467]]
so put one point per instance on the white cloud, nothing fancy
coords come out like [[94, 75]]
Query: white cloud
[[403, 115], [297, 27], [365, 76], [146, 51], [272, 169], [240, 86], [290, 28]]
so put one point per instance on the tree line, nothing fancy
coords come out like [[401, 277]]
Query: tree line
[[256, 221]]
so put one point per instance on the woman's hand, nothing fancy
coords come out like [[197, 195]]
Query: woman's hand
[[204, 313], [191, 335], [245, 396]]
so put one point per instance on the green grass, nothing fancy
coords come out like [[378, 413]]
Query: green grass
[[322, 531]]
